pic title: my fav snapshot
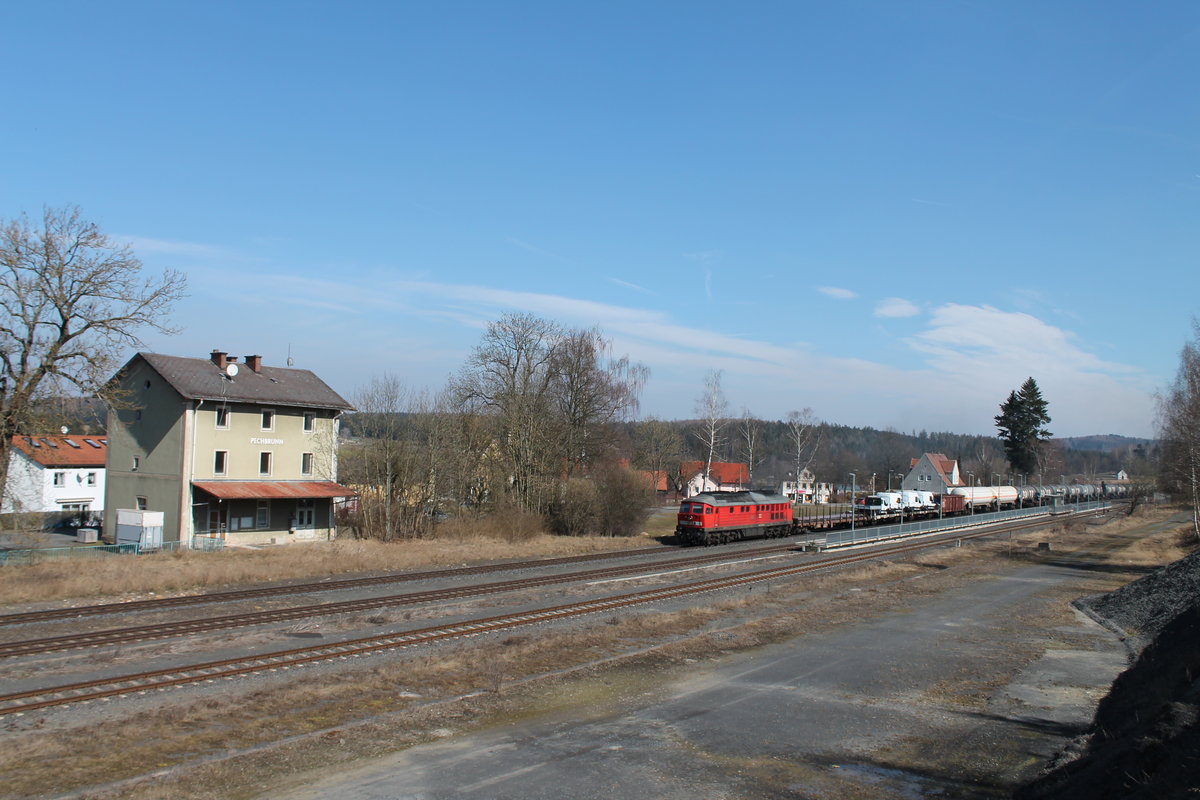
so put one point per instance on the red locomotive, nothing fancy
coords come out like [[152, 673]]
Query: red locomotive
[[720, 517]]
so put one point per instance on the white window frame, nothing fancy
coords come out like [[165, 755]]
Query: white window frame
[[221, 459], [306, 463], [59, 479], [310, 422], [266, 458], [222, 411], [267, 419], [262, 515]]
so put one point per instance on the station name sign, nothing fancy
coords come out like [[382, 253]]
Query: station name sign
[[258, 440]]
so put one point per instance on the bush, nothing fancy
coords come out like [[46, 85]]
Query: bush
[[574, 514], [506, 523], [614, 502]]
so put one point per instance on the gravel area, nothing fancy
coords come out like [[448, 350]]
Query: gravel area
[[1141, 610], [1145, 740]]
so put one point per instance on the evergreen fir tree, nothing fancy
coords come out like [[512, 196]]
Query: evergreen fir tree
[[1021, 422]]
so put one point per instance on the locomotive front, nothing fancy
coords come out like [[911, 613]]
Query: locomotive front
[[693, 518]]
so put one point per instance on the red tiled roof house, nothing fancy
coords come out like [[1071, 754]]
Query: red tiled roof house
[[61, 474], [722, 477], [932, 472]]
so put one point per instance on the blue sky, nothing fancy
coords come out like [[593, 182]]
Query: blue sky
[[890, 212]]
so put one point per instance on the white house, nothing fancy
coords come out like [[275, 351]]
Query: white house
[[807, 490], [722, 477], [56, 474], [932, 472]]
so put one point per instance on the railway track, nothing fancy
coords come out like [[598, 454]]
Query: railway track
[[34, 699], [143, 633], [146, 633], [160, 603]]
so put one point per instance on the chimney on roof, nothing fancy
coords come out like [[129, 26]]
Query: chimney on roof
[[219, 358], [254, 363]]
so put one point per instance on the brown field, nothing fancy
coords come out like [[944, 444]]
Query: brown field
[[184, 572]]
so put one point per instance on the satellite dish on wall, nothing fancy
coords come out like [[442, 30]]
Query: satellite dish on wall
[[231, 370]]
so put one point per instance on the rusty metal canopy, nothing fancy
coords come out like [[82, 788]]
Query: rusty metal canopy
[[273, 490]]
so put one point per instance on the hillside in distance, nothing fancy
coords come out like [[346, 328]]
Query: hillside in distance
[[1104, 443]]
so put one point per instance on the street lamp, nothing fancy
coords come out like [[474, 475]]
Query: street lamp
[[971, 499], [852, 477]]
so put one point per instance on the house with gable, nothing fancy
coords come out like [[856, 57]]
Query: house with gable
[[807, 489], [722, 477], [932, 472], [59, 476], [242, 452]]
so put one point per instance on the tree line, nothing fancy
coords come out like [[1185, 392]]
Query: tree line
[[539, 422]]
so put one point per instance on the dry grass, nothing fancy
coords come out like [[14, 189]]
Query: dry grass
[[125, 577]]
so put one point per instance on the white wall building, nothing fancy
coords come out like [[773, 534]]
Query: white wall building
[[63, 474], [807, 490]]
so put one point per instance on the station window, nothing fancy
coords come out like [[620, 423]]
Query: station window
[[306, 463], [60, 479], [264, 463], [220, 462], [310, 421], [223, 417], [268, 419]]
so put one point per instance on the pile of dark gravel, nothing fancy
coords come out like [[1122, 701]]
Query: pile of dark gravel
[[1145, 740], [1142, 609]]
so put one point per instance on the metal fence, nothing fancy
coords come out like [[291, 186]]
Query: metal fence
[[874, 533], [37, 554]]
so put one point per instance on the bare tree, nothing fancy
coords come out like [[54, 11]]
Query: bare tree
[[552, 396], [891, 455], [713, 410], [750, 434], [73, 302], [805, 436], [591, 390], [658, 448], [1179, 426], [384, 463], [509, 377]]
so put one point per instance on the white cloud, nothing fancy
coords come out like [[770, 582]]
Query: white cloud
[[983, 352], [970, 357], [142, 244], [628, 285], [837, 293], [897, 307]]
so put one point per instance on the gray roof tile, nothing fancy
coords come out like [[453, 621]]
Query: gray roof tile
[[200, 378]]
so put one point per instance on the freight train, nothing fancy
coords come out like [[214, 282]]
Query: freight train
[[721, 517]]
